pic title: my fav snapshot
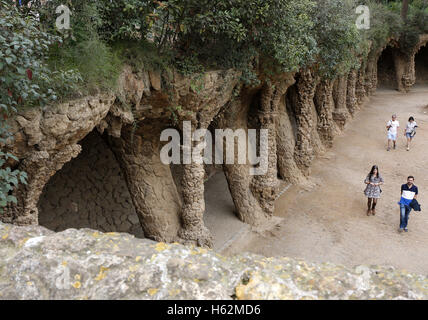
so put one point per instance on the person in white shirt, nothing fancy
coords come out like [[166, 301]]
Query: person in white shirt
[[410, 131], [392, 127]]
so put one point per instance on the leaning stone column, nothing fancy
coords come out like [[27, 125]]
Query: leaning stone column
[[405, 70], [265, 187], [351, 98], [308, 142], [149, 181], [340, 113], [371, 73], [248, 208], [286, 143], [39, 166], [239, 180], [360, 89], [286, 140], [193, 200], [325, 105]]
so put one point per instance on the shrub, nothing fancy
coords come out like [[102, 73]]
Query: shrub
[[385, 23], [82, 48], [25, 78], [338, 40], [234, 34], [9, 178]]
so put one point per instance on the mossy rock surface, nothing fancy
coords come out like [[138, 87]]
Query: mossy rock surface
[[86, 264]]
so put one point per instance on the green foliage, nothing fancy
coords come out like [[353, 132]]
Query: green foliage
[[9, 179], [82, 49], [416, 24], [197, 83], [98, 67], [234, 33], [339, 42], [25, 78], [418, 15], [384, 24], [285, 34], [125, 19], [141, 55], [271, 36], [175, 112]]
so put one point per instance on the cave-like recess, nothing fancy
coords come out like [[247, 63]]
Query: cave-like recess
[[421, 65], [386, 69], [89, 192]]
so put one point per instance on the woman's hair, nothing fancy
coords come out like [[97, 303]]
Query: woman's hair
[[375, 167], [411, 119]]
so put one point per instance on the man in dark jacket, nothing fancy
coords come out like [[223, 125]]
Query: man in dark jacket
[[409, 193]]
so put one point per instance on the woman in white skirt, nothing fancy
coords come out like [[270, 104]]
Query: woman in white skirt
[[373, 181], [410, 131]]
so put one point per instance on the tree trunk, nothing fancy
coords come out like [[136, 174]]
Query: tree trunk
[[405, 10]]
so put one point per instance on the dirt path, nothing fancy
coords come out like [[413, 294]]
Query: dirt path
[[328, 222]]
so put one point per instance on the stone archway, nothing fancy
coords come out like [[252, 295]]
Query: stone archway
[[386, 69], [89, 192], [421, 65]]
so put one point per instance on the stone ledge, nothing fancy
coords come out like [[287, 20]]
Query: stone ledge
[[86, 264]]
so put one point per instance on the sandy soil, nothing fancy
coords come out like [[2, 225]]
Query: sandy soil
[[328, 221]]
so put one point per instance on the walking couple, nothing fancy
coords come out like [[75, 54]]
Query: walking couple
[[392, 127], [408, 200]]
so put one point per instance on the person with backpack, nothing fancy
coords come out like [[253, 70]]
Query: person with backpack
[[408, 200], [373, 181], [410, 131]]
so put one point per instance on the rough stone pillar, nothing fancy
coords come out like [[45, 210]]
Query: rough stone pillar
[[193, 209], [370, 81], [286, 143], [340, 113], [308, 142], [264, 187], [286, 140], [325, 105], [405, 70], [247, 206], [360, 89], [238, 176], [149, 181], [351, 97], [39, 166]]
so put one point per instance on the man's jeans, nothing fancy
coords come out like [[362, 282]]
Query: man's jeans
[[404, 215]]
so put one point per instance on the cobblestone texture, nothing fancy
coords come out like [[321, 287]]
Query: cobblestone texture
[[89, 192]]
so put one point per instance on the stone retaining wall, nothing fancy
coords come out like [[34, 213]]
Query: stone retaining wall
[[84, 264]]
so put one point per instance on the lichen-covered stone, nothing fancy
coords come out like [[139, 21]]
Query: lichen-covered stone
[[86, 264]]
